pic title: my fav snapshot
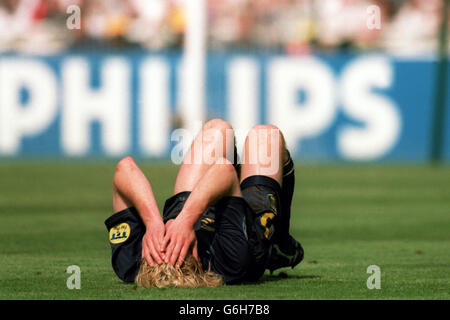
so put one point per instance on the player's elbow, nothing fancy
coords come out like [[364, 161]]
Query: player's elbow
[[123, 167]]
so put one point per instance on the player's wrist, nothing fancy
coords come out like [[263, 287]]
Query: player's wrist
[[187, 218], [150, 219]]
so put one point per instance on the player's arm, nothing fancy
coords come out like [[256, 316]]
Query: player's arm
[[219, 181], [135, 190]]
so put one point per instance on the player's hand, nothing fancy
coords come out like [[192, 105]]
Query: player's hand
[[152, 241], [179, 238]]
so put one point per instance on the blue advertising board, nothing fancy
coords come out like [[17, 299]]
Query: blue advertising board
[[338, 107]]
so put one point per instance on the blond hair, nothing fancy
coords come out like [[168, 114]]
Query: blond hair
[[189, 275]]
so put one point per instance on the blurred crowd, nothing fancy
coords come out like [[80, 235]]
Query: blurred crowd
[[292, 26]]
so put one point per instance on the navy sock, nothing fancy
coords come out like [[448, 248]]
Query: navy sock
[[287, 192]]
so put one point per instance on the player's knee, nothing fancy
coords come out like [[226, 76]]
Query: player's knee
[[125, 164], [265, 129], [221, 134], [217, 124], [265, 133]]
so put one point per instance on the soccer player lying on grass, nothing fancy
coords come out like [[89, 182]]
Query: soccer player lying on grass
[[226, 223]]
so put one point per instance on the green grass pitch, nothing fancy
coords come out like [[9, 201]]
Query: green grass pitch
[[347, 218]]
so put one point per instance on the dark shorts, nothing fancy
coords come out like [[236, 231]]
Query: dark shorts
[[233, 235]]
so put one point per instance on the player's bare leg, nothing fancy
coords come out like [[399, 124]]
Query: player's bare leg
[[265, 154], [214, 142]]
